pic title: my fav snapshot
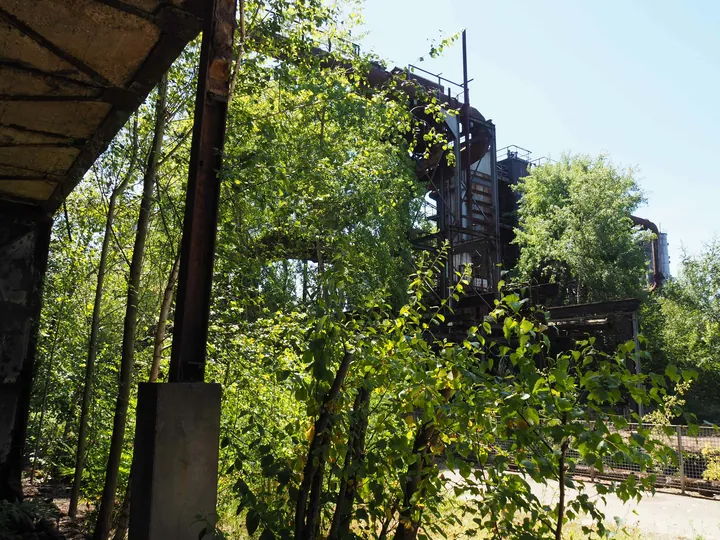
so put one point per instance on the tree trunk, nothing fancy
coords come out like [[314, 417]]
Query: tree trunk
[[314, 506], [124, 521], [354, 459], [46, 388], [408, 526], [241, 51], [163, 318], [427, 434], [67, 428], [94, 329], [321, 273], [51, 360], [107, 502], [304, 282], [561, 481], [316, 450]]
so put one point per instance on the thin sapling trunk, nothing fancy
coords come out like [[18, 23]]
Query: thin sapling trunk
[[354, 459], [107, 502], [95, 328], [124, 520]]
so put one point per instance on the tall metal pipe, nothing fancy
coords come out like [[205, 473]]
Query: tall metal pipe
[[496, 202], [654, 246], [466, 129]]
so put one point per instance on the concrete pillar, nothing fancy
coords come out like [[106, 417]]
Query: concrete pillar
[[24, 239], [175, 468]]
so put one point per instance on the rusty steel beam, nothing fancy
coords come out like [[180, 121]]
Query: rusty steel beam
[[197, 254], [626, 305]]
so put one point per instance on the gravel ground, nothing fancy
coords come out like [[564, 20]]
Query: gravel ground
[[663, 516]]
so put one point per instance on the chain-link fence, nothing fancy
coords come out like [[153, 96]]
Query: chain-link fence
[[697, 468]]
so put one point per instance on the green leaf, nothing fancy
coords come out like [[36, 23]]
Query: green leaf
[[301, 393], [639, 438], [241, 487], [252, 521], [564, 404], [526, 326]]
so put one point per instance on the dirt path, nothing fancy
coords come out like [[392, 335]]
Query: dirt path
[[54, 498], [664, 516]]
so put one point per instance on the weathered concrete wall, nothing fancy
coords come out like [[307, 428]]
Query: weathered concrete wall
[[24, 239], [175, 465]]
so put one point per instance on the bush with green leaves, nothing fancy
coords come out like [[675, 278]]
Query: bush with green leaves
[[367, 407], [712, 470], [575, 229], [28, 520], [557, 410]]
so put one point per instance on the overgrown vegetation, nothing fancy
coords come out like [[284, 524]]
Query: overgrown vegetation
[[28, 520], [682, 325], [343, 406]]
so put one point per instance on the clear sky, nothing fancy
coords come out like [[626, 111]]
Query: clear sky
[[639, 80]]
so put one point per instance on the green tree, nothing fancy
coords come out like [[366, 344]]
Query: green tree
[[363, 408], [116, 192], [683, 327], [575, 229], [103, 525]]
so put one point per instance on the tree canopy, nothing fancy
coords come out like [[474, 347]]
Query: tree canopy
[[682, 326], [575, 229]]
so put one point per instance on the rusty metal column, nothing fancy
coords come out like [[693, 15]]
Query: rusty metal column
[[177, 435], [201, 208]]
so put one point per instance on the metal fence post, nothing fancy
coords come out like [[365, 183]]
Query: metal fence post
[[681, 461]]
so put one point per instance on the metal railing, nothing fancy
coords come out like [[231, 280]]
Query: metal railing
[[698, 460], [541, 161], [514, 151]]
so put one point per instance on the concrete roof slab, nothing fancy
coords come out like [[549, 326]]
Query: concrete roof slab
[[24, 191], [73, 120], [71, 73]]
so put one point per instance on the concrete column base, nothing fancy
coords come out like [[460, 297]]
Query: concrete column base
[[175, 468]]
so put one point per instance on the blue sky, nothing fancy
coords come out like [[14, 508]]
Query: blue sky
[[639, 80]]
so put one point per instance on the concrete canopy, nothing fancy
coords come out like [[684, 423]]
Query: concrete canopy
[[71, 73]]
